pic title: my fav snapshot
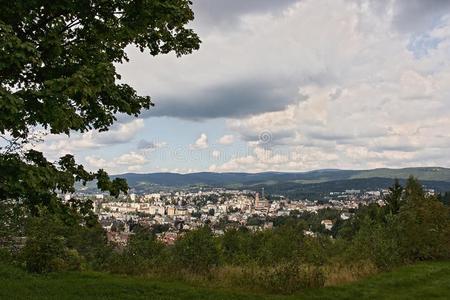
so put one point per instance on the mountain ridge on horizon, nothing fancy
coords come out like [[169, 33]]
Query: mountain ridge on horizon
[[285, 172], [299, 184]]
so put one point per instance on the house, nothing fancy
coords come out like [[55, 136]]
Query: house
[[327, 223]]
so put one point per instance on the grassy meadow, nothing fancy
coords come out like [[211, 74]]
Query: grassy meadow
[[419, 281]]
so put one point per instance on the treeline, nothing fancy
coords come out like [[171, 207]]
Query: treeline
[[411, 227]]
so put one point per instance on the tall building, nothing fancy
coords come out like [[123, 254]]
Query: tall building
[[261, 204]]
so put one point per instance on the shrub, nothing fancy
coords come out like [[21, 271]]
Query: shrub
[[374, 242], [50, 255], [424, 230], [47, 248], [289, 277], [340, 272], [197, 251]]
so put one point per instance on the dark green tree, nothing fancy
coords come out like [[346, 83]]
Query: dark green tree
[[58, 74], [143, 254], [423, 225], [197, 251], [57, 59], [393, 199], [445, 198]]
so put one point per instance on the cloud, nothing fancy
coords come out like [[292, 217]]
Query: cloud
[[418, 15], [405, 15], [227, 99], [149, 145], [132, 161], [120, 133], [227, 139], [236, 73], [372, 114], [259, 160], [96, 162], [131, 158], [306, 84], [228, 12], [260, 66], [200, 143]]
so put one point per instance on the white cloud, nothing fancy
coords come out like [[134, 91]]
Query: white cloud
[[132, 161], [57, 145], [227, 139], [131, 158], [95, 162], [200, 143]]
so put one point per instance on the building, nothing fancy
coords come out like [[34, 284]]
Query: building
[[261, 204], [327, 223], [171, 211]]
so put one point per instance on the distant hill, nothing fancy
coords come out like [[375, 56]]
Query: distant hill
[[291, 183], [426, 173]]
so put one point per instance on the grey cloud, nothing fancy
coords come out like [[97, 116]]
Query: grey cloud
[[227, 12], [409, 15], [412, 16], [400, 148], [419, 15], [348, 131], [279, 137], [110, 139], [330, 136], [340, 138], [143, 144], [235, 99]]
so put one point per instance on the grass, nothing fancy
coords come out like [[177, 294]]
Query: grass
[[420, 281]]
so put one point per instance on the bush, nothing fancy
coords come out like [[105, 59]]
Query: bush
[[288, 278], [50, 255], [340, 272], [5, 255], [375, 242], [424, 230], [143, 255], [197, 251], [47, 247]]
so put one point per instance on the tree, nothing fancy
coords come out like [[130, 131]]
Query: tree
[[197, 251], [57, 59], [50, 244], [142, 254], [445, 198], [393, 199], [58, 74], [231, 245], [423, 225]]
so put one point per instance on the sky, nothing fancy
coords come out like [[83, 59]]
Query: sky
[[287, 85]]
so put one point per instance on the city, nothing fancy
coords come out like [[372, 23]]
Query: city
[[173, 213]]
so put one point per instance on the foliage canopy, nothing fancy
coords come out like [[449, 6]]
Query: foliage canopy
[[57, 59], [57, 72]]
